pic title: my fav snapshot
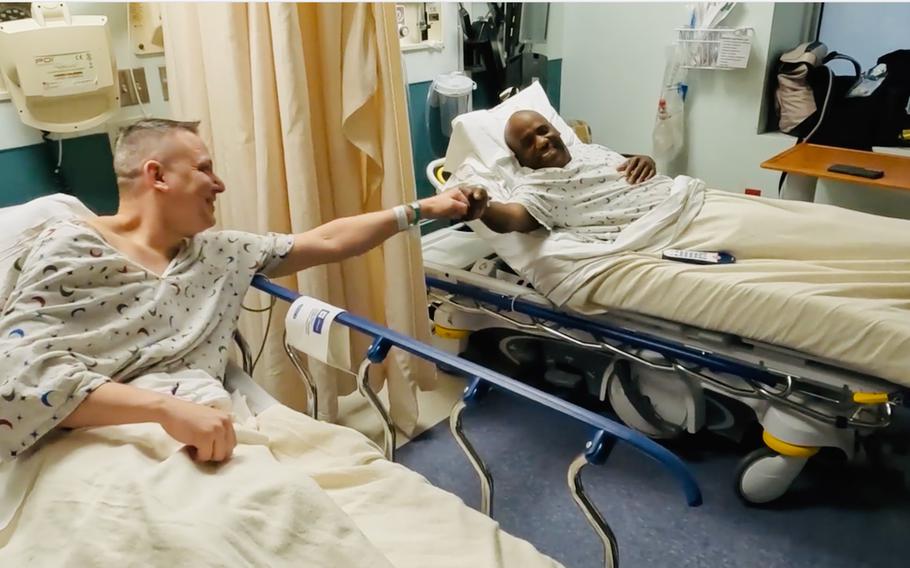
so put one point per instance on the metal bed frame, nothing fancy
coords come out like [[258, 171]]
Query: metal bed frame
[[762, 382], [785, 397], [803, 403], [596, 451]]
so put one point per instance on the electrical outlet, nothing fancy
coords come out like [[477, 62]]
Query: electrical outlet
[[131, 94], [162, 74]]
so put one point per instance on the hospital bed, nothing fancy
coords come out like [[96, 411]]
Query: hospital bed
[[664, 375], [23, 219]]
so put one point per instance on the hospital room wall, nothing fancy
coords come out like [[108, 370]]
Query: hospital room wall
[[422, 66], [613, 63], [26, 161]]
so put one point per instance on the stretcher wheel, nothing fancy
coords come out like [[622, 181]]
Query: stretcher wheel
[[635, 408], [764, 475]]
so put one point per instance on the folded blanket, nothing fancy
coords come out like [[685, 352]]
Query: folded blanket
[[822, 280]]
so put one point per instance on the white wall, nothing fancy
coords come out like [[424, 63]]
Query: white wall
[[553, 49], [14, 134], [867, 30], [613, 62]]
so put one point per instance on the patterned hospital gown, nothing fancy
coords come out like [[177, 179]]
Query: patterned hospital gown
[[588, 197], [79, 314]]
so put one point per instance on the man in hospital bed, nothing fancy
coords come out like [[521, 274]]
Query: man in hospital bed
[[587, 229], [594, 193], [123, 323]]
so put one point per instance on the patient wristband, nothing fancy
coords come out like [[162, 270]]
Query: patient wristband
[[401, 216], [415, 207]]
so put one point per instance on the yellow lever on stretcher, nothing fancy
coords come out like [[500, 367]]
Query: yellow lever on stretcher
[[870, 397], [450, 332], [440, 175]]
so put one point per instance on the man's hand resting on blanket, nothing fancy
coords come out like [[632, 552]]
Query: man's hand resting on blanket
[[638, 169], [209, 432]]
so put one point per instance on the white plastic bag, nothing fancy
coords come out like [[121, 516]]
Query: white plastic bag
[[668, 135]]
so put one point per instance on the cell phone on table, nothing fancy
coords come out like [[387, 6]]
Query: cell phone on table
[[856, 171]]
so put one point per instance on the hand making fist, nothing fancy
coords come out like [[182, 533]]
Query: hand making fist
[[459, 203]]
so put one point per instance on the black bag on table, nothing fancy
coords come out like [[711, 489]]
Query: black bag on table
[[812, 103], [891, 109]]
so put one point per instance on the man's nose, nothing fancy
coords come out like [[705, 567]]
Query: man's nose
[[219, 185]]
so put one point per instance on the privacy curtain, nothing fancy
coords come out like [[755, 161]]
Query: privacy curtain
[[303, 108]]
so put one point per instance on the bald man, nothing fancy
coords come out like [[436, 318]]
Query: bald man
[[594, 193], [97, 307]]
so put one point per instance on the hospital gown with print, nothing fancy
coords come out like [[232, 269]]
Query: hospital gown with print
[[78, 313], [588, 197]]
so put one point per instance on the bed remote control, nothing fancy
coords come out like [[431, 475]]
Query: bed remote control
[[856, 171], [699, 257]]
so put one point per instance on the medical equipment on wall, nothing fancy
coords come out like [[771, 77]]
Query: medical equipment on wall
[[14, 11], [705, 45], [10, 11], [59, 69], [498, 48], [146, 28], [715, 48], [448, 97], [419, 25]]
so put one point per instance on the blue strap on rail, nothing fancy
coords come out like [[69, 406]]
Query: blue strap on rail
[[392, 338], [638, 340]]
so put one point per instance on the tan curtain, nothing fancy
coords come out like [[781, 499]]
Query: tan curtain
[[303, 107]]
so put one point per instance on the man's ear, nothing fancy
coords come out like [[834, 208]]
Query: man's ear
[[153, 172]]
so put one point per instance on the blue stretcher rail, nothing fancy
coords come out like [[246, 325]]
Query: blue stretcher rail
[[390, 338]]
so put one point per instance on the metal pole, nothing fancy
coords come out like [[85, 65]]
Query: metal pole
[[486, 478], [363, 385], [312, 400], [595, 519]]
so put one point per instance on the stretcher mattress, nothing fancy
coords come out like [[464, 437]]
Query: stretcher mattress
[[822, 280]]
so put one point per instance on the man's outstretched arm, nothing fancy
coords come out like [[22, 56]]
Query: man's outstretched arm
[[351, 236], [509, 218]]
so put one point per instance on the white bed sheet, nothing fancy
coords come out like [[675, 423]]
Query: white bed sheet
[[822, 280], [296, 492]]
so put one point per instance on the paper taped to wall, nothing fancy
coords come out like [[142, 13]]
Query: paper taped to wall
[[311, 329]]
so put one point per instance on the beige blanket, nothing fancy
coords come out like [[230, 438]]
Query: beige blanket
[[824, 280], [298, 493]]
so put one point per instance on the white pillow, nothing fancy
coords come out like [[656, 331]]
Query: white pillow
[[481, 133], [22, 222]]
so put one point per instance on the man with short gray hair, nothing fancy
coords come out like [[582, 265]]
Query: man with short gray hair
[[128, 318], [136, 141]]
